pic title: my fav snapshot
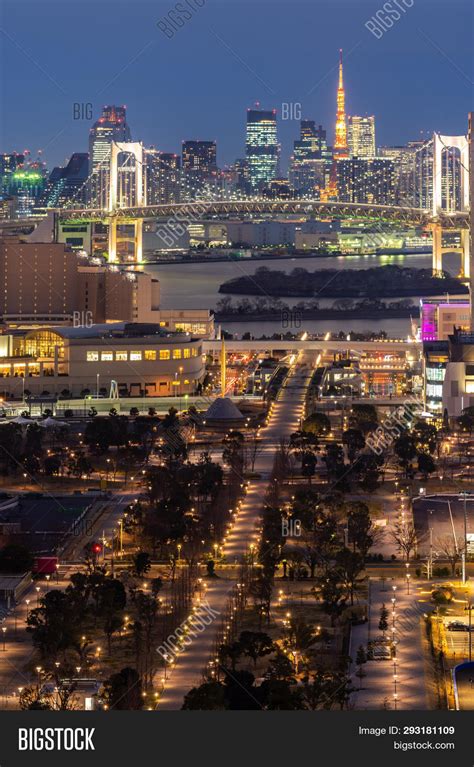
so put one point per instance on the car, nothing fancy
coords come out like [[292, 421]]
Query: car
[[457, 626], [381, 653]]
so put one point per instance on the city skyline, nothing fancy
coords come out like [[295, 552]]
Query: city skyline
[[184, 113]]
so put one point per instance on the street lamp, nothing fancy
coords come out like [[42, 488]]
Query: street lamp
[[469, 607], [464, 554], [4, 631], [27, 601], [38, 589], [408, 577]]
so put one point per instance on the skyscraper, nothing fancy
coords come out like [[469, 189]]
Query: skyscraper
[[403, 158], [262, 148], [366, 181], [67, 185], [199, 164], [9, 163], [361, 136], [27, 185], [111, 126], [311, 159], [163, 177]]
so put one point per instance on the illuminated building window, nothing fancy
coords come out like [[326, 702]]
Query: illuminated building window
[[150, 354], [106, 356], [186, 353], [194, 352], [135, 356], [434, 390], [121, 356], [176, 354], [92, 356], [165, 354]]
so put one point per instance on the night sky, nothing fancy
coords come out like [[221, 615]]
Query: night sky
[[198, 84]]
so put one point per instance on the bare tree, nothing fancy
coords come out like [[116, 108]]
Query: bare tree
[[448, 547], [254, 448], [406, 537]]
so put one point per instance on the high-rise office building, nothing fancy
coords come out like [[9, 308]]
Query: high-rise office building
[[239, 172], [9, 163], [163, 177], [68, 185], [423, 174], [111, 126], [366, 181], [262, 148], [361, 136], [199, 168], [311, 160], [403, 158], [27, 185]]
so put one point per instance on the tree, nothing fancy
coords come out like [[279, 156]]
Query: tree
[[308, 465], [318, 424], [425, 436], [336, 470], [359, 527], [231, 651], [112, 623], [383, 623], [349, 565], [317, 690], [255, 644], [254, 447], [465, 423], [123, 691], [405, 449], [367, 470], [156, 586], [426, 465], [448, 546], [354, 441], [233, 452], [302, 443], [141, 563], [209, 696], [54, 626], [333, 594], [300, 637], [405, 536], [361, 659]]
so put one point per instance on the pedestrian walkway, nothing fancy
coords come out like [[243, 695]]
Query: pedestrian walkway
[[285, 419]]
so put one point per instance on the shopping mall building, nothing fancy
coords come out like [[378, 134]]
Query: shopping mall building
[[138, 359]]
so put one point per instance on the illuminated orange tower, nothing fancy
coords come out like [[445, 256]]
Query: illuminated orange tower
[[340, 142], [340, 149]]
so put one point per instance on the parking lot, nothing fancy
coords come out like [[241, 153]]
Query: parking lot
[[439, 519]]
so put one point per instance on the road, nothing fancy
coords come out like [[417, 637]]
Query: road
[[285, 419], [464, 677]]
